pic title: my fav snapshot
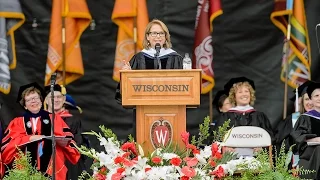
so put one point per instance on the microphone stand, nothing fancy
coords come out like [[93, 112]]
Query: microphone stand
[[52, 131], [158, 60]]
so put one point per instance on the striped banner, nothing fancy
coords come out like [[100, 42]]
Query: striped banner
[[298, 56]]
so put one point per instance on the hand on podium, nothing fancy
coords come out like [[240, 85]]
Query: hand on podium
[[125, 65]]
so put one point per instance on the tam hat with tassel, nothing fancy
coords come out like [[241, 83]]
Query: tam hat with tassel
[[71, 104]]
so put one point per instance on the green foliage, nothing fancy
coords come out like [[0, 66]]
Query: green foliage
[[227, 156], [218, 136], [203, 133], [279, 170], [85, 176], [131, 138], [23, 170], [108, 133]]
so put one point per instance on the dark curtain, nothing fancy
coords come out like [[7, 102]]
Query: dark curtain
[[246, 43]]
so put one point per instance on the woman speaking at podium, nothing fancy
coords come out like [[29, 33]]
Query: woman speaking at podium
[[157, 52]]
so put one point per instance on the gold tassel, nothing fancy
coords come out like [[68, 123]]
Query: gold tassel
[[80, 110], [63, 90]]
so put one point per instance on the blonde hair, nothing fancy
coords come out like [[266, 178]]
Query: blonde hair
[[235, 87], [146, 43]]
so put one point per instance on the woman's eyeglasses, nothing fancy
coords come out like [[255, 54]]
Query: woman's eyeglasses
[[155, 34], [32, 99]]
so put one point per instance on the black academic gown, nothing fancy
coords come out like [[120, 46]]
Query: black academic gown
[[142, 61], [246, 118], [282, 133], [308, 127]]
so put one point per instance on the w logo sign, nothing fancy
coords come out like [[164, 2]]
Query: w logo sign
[[160, 133]]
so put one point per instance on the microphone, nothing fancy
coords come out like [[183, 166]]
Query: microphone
[[158, 47], [53, 79]]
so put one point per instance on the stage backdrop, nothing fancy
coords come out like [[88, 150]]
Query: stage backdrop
[[246, 43]]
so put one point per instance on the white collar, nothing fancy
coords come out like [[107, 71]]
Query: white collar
[[151, 52], [241, 108]]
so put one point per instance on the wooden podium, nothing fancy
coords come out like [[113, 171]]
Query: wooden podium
[[160, 98]]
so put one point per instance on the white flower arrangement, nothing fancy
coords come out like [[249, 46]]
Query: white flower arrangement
[[126, 161]]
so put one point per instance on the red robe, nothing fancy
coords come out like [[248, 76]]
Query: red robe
[[22, 128]]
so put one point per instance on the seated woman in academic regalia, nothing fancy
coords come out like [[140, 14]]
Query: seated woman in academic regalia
[[30, 132], [285, 127], [242, 97], [221, 103], [306, 134]]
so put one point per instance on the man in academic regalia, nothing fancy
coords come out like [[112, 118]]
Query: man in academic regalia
[[60, 103], [306, 134], [29, 132]]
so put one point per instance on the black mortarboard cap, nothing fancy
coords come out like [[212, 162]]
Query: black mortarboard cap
[[233, 81], [24, 87], [302, 89], [56, 87], [217, 97], [312, 87]]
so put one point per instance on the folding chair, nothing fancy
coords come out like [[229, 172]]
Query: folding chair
[[248, 137]]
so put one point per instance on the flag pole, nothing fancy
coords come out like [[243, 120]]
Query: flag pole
[[135, 36], [210, 106], [287, 51], [63, 50]]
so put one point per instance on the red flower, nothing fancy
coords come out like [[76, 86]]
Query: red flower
[[191, 161], [214, 148], [156, 160], [100, 177], [176, 161], [129, 146], [188, 171], [116, 176], [128, 163], [126, 154], [218, 155], [185, 137], [184, 178], [120, 170], [193, 148], [118, 160], [218, 172], [147, 169], [212, 163], [103, 170]]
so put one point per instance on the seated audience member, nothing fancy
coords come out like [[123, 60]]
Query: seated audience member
[[221, 103], [74, 122], [306, 135], [28, 133], [285, 127], [242, 96]]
